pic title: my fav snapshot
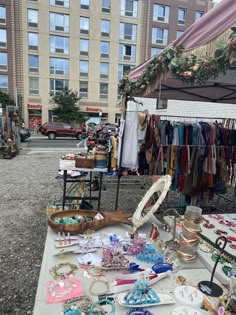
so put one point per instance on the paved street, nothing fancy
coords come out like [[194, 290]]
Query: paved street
[[38, 141]]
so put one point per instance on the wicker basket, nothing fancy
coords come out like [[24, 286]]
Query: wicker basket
[[84, 163], [79, 228]]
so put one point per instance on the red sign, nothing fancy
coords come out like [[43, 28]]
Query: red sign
[[35, 121], [34, 106], [93, 109]]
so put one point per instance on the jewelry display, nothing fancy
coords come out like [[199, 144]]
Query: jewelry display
[[59, 291], [77, 305], [99, 282], [94, 272], [113, 258], [136, 246], [70, 271], [96, 308], [89, 259], [188, 295], [170, 226], [161, 187], [138, 311], [150, 255]]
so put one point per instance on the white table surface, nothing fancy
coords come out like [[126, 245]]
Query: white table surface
[[193, 272], [69, 165]]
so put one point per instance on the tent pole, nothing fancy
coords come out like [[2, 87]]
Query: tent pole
[[125, 101]]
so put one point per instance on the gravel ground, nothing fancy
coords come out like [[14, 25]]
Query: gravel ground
[[27, 185]]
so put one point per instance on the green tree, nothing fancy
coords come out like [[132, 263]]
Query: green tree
[[67, 107], [5, 99]]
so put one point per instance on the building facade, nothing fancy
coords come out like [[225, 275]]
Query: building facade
[[84, 45]]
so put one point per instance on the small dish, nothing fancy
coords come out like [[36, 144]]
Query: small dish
[[188, 295], [164, 299], [180, 310]]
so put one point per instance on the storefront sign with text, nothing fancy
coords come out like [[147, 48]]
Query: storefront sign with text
[[93, 109], [34, 106]]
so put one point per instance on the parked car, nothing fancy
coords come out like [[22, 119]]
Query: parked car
[[24, 134], [59, 129]]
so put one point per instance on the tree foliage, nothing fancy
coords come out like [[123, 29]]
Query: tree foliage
[[5, 99], [67, 107]]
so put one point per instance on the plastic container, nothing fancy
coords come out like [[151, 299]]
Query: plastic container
[[193, 212]]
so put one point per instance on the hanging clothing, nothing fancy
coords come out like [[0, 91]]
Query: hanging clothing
[[130, 142]]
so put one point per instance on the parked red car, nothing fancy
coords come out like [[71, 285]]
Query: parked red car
[[59, 129]]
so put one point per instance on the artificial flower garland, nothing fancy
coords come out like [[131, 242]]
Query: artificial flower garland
[[189, 69]]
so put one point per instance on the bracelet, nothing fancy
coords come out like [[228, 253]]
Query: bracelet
[[97, 275], [100, 293], [98, 310], [54, 272]]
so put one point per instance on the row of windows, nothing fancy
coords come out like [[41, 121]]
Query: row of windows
[[161, 13], [128, 7]]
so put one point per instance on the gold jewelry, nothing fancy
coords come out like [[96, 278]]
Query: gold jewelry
[[83, 302], [107, 289], [95, 275], [54, 272], [194, 220]]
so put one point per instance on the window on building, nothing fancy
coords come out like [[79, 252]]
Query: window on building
[[104, 90], [104, 49], [33, 61], [33, 41], [159, 36], [155, 51], [3, 38], [129, 8], [33, 86], [104, 70], [3, 61], [32, 18], [127, 52], [59, 45], [124, 69], [84, 25], [161, 104], [83, 89], [59, 66], [59, 22], [181, 16], [106, 6], [161, 13], [2, 14], [128, 31], [83, 68], [4, 83], [178, 34], [58, 86], [84, 4], [198, 15], [105, 28], [61, 3], [84, 47]]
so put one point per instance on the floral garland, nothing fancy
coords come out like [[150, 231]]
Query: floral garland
[[190, 69]]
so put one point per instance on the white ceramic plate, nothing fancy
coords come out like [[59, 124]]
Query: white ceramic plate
[[164, 299], [185, 310], [188, 295]]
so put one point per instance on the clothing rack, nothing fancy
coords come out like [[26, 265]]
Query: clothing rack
[[191, 117]]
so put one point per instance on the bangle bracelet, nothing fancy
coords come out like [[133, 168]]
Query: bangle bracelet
[[100, 310], [99, 293], [95, 275]]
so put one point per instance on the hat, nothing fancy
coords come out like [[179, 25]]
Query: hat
[[142, 121]]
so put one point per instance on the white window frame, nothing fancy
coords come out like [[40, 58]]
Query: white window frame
[[84, 4], [4, 64], [56, 92], [84, 64], [33, 21], [4, 88], [158, 17], [123, 55], [84, 52], [182, 21], [122, 71], [155, 51], [57, 70], [60, 3], [3, 38], [124, 36], [57, 50], [106, 6], [33, 69], [3, 14], [30, 46], [104, 66], [103, 96], [124, 11], [200, 13], [103, 53], [33, 90], [163, 40], [64, 27], [82, 93], [104, 31], [84, 25]]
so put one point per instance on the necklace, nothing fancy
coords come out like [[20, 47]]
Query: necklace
[[57, 275]]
